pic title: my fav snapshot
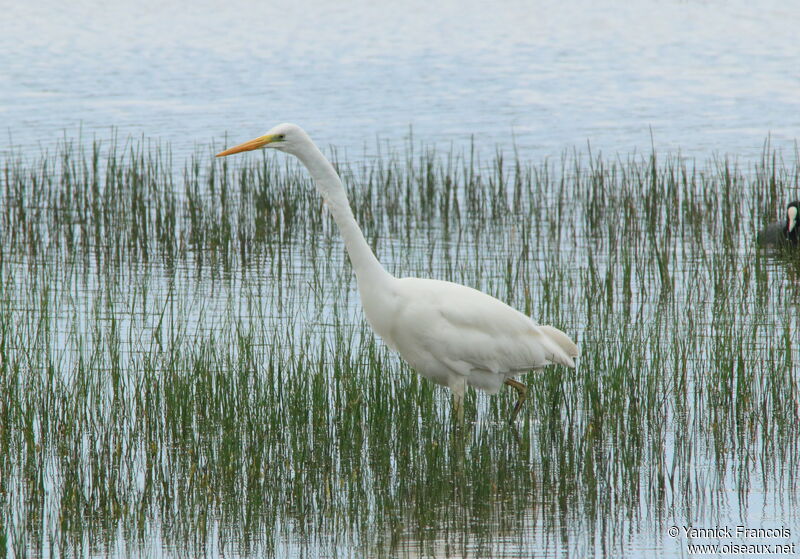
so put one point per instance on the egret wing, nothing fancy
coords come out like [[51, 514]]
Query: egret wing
[[472, 331]]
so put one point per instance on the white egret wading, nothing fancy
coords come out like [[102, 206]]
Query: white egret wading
[[452, 334]]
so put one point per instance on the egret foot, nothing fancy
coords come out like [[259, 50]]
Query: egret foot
[[522, 390]]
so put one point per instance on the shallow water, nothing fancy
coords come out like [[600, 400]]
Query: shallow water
[[220, 394]]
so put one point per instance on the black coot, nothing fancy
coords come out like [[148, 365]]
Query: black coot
[[782, 233]]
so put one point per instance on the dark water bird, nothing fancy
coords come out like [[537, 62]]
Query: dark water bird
[[782, 234], [452, 334]]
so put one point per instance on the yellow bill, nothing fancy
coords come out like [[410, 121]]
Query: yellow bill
[[249, 145]]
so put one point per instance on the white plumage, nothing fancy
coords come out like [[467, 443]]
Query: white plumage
[[452, 334]]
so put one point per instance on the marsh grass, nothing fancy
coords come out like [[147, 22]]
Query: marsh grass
[[184, 366]]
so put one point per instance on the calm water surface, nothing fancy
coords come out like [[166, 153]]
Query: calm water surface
[[699, 77]]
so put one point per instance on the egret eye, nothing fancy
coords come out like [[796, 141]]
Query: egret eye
[[280, 137]]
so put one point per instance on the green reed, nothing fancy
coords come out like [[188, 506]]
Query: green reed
[[183, 360]]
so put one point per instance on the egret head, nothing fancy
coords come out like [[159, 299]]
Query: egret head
[[285, 137]]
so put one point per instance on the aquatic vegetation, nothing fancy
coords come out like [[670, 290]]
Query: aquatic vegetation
[[184, 366]]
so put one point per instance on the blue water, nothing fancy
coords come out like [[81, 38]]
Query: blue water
[[702, 78]]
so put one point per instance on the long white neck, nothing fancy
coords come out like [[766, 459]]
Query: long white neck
[[329, 185]]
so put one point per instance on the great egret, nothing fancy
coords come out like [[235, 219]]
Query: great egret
[[452, 334], [782, 234]]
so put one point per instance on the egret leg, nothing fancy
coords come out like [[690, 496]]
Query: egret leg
[[458, 388], [458, 407], [522, 391]]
